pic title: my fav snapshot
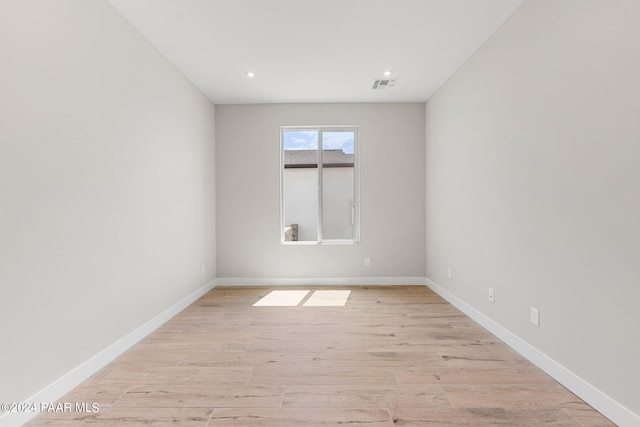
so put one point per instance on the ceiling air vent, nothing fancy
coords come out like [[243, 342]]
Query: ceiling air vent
[[379, 84]]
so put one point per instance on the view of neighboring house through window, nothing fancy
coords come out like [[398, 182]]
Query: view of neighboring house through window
[[319, 184]]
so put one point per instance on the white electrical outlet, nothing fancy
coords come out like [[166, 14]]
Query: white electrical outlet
[[367, 261], [449, 272], [535, 316], [492, 295], [202, 268]]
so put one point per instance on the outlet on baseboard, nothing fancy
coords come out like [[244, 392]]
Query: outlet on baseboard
[[492, 295], [535, 316]]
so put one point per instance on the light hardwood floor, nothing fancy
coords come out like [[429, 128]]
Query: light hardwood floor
[[392, 356]]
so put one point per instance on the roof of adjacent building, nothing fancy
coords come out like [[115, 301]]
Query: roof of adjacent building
[[309, 158]]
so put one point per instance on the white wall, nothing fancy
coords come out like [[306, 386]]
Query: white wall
[[392, 192], [532, 185], [106, 187]]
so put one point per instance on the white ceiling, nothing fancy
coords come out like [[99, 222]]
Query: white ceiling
[[316, 50]]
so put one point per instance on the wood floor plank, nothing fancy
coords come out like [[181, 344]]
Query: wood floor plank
[[507, 396], [391, 353], [501, 375], [360, 396], [309, 345], [102, 394], [585, 414], [296, 417], [373, 359], [337, 375], [198, 375], [202, 396], [130, 417], [594, 421], [474, 417], [248, 359]]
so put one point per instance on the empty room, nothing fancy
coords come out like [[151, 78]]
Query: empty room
[[319, 213]]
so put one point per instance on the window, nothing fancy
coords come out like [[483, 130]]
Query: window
[[319, 185]]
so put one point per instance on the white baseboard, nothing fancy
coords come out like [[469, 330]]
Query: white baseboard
[[319, 281], [70, 380], [613, 410]]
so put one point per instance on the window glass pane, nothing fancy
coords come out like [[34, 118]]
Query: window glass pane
[[300, 185], [338, 185]]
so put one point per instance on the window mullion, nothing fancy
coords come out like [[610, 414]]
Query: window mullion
[[320, 187]]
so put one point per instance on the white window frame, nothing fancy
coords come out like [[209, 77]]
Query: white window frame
[[356, 190]]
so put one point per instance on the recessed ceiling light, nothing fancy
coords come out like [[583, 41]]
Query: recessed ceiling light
[[250, 74], [388, 73]]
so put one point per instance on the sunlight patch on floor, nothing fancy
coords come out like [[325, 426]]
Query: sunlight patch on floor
[[328, 299], [332, 298], [282, 299]]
